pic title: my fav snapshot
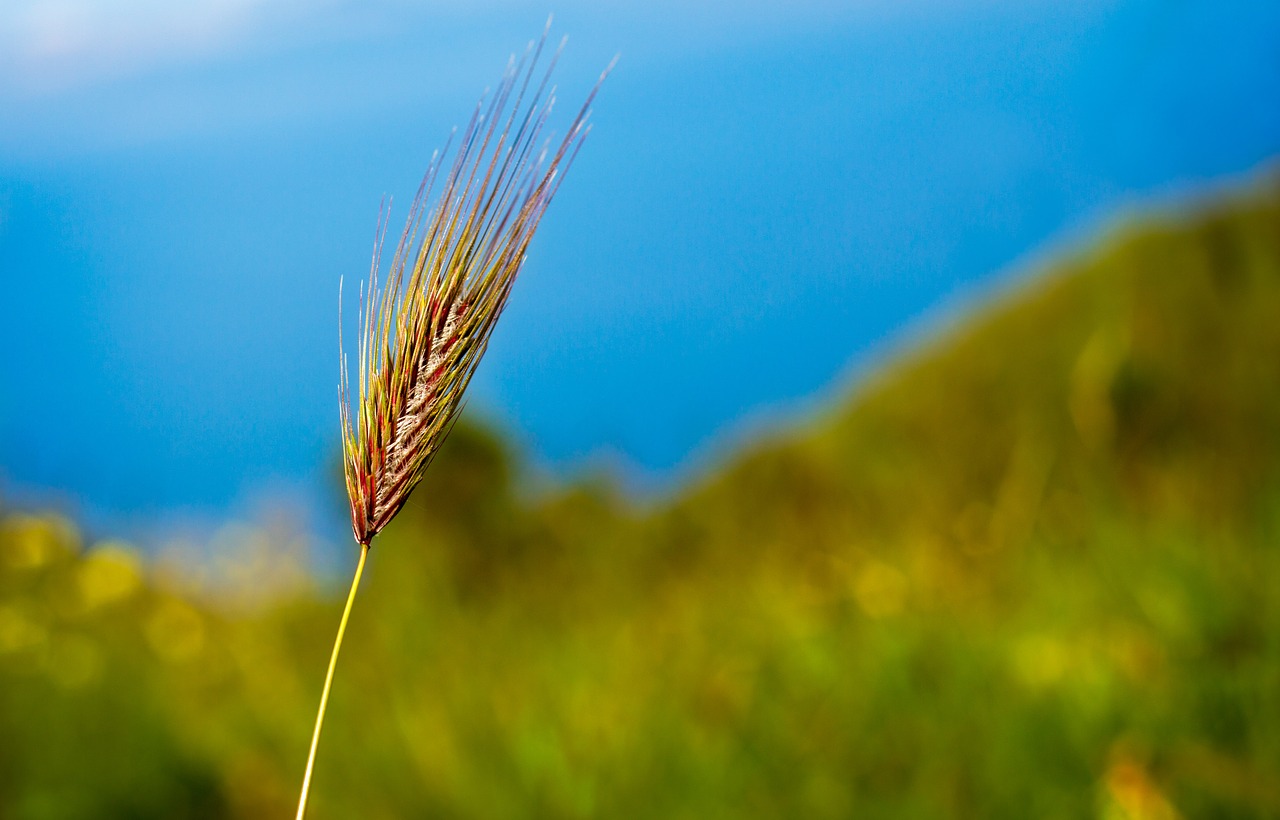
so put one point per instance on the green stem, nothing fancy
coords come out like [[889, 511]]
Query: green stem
[[328, 680]]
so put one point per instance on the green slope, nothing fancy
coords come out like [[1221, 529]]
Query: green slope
[[1029, 570]]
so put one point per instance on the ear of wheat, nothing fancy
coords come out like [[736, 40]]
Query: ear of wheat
[[424, 330]]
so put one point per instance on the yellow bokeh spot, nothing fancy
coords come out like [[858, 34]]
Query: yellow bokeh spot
[[176, 631], [1040, 661], [29, 542], [18, 630], [880, 590], [110, 573], [1133, 794]]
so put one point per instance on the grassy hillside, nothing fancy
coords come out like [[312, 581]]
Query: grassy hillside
[[1028, 571]]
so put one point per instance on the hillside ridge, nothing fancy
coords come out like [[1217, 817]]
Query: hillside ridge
[[1027, 570]]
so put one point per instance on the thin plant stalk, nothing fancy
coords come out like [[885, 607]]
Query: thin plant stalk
[[425, 327], [328, 681]]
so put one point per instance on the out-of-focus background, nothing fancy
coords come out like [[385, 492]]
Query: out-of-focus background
[[886, 422]]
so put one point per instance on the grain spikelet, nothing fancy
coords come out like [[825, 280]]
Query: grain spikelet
[[424, 330]]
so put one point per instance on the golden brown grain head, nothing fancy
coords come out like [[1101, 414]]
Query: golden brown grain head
[[423, 330]]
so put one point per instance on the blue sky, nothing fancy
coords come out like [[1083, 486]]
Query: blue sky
[[771, 194]]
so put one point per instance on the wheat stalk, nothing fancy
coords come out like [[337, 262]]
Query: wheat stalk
[[423, 332]]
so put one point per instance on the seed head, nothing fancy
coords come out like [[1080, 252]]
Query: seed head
[[424, 330]]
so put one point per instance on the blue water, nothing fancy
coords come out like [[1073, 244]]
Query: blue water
[[769, 194]]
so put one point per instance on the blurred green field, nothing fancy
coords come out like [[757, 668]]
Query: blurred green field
[[1029, 569]]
